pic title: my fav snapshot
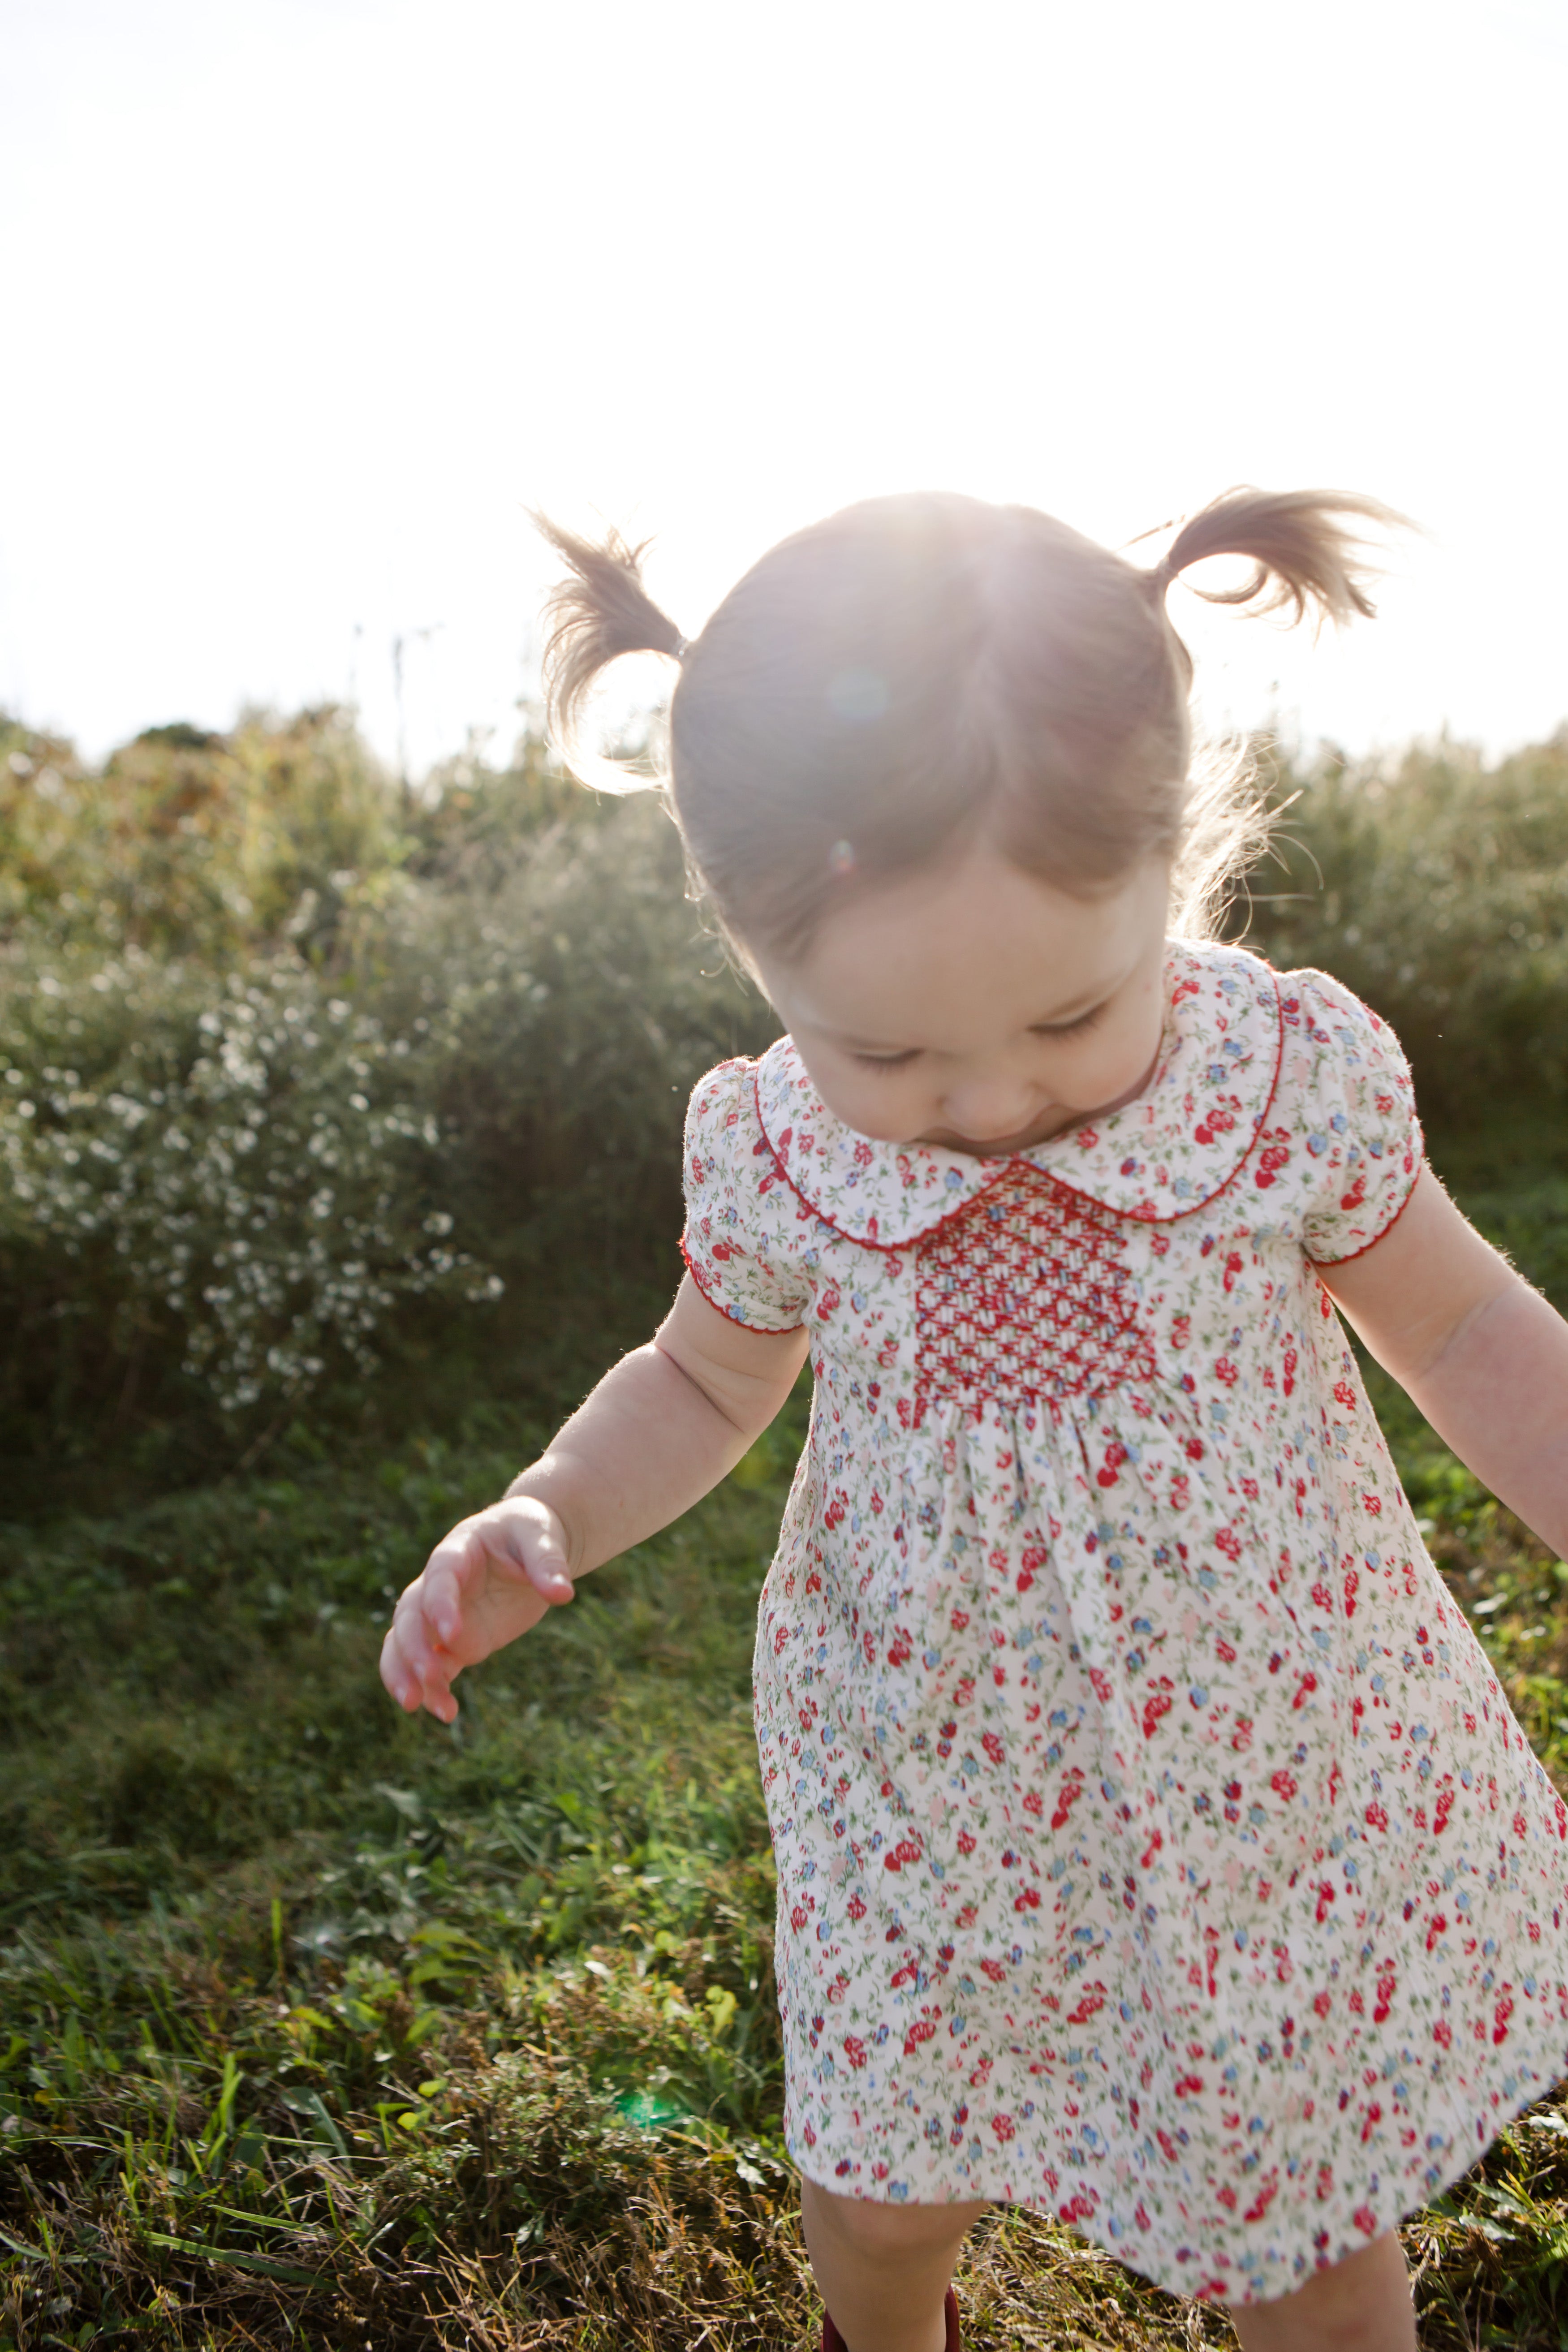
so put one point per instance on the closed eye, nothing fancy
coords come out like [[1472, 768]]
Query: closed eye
[[1070, 1028], [1075, 1028]]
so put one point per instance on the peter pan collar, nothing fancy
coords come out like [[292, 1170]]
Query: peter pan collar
[[1159, 1157]]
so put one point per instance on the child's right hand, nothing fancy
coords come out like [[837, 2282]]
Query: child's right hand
[[493, 1577]]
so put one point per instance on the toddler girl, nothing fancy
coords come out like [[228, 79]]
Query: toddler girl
[[1154, 1843]]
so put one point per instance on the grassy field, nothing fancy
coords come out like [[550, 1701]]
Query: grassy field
[[322, 2027]]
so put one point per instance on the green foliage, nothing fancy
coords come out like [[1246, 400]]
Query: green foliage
[[566, 1007], [1438, 891], [242, 1165], [301, 1079], [191, 844], [270, 1123]]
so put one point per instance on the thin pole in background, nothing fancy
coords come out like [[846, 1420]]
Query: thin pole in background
[[413, 636]]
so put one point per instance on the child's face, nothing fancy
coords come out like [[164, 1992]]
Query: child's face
[[973, 1007]]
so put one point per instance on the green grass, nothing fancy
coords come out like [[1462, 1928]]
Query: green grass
[[312, 2017], [322, 2027]]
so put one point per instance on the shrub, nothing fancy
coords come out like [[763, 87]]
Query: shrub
[[194, 843], [1438, 891], [566, 1010], [317, 1076], [232, 1180], [238, 1165]]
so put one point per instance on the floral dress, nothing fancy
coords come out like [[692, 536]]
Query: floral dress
[[1154, 1843]]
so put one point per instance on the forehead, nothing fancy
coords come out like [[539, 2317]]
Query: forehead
[[950, 957]]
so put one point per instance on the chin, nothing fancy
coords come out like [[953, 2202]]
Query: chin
[[990, 1147]]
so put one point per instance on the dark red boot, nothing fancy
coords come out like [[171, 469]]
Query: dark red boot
[[833, 2342]]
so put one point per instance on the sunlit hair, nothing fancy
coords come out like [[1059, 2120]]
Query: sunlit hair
[[918, 672]]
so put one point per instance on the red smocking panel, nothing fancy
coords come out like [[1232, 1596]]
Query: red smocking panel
[[1022, 1296]]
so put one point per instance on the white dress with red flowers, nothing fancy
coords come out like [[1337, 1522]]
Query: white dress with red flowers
[[1154, 1843]]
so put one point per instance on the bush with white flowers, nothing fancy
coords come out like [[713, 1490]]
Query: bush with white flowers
[[242, 1161], [267, 1158]]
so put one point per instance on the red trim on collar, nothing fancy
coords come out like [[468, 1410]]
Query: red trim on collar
[[1078, 1192]]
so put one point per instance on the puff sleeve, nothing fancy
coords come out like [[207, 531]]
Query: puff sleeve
[[735, 1242], [1357, 1109]]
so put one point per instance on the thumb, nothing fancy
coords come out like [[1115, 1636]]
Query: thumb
[[540, 1547]]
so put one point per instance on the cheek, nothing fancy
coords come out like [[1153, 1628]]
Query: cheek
[[1115, 1062], [882, 1109], [888, 1109]]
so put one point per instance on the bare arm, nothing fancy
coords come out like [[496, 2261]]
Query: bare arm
[[1480, 1352], [662, 1427]]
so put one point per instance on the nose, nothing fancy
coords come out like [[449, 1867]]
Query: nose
[[986, 1109]]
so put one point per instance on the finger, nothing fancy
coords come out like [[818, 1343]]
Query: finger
[[394, 1674], [442, 1704], [456, 1570], [449, 1571], [412, 1690], [521, 1539], [400, 1673], [443, 1599], [544, 1558], [426, 1663], [434, 1678]]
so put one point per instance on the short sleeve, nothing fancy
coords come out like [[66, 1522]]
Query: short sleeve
[[1356, 1103], [735, 1242]]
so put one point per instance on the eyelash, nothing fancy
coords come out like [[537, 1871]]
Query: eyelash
[[1085, 1020], [1074, 1028]]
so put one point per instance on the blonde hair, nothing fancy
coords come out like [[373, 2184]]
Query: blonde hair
[[913, 666]]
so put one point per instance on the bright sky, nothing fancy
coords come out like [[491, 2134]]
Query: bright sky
[[307, 300]]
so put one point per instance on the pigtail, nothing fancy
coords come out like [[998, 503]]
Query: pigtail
[[600, 611], [1307, 555]]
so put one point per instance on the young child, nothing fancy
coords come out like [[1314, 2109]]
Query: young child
[[1154, 1843]]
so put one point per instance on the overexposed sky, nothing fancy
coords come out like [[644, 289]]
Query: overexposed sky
[[308, 299]]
